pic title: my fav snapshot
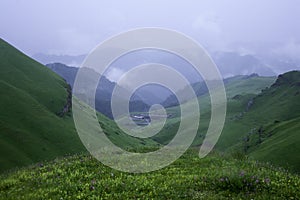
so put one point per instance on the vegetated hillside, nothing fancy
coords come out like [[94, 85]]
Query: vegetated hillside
[[239, 89], [242, 84], [213, 177], [104, 89], [275, 114], [35, 119], [262, 119], [277, 143], [32, 98], [264, 124]]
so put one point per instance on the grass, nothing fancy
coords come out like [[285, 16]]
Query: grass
[[278, 143], [271, 126], [30, 128], [239, 91], [29, 125], [278, 103], [214, 177], [31, 132]]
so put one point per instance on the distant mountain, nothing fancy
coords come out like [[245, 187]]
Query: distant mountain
[[104, 90], [152, 94], [66, 72], [281, 64], [229, 63], [240, 84], [66, 59], [232, 63]]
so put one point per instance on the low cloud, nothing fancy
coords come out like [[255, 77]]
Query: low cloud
[[291, 49], [207, 22], [113, 74]]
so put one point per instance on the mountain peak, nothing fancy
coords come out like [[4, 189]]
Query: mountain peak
[[289, 78]]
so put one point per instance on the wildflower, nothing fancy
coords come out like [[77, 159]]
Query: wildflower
[[242, 173], [267, 180], [92, 188]]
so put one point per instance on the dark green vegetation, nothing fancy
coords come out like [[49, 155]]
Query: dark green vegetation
[[32, 97], [36, 125], [214, 177], [275, 115], [262, 119], [35, 118]]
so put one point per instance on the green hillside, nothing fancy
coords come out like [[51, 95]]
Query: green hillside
[[36, 125], [31, 98], [239, 90], [275, 117], [32, 125], [262, 119], [265, 126], [277, 143]]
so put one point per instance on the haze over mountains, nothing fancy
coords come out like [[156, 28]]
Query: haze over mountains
[[60, 140], [139, 102], [36, 124], [278, 103], [229, 63], [248, 96]]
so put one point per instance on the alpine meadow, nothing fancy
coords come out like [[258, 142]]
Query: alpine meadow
[[149, 100]]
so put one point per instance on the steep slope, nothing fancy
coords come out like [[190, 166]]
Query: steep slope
[[32, 125], [240, 90], [32, 97], [262, 119], [104, 89], [275, 117], [265, 126], [277, 143]]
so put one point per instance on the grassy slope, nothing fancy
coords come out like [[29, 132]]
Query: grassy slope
[[279, 103], [269, 131], [31, 95], [275, 122], [247, 86], [30, 130], [279, 145], [214, 177]]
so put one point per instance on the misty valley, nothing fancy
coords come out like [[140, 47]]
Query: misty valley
[[151, 99], [42, 156]]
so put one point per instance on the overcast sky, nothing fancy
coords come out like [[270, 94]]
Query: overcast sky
[[76, 27]]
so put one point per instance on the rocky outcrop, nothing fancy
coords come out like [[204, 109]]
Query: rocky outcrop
[[249, 104], [289, 78], [67, 107]]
